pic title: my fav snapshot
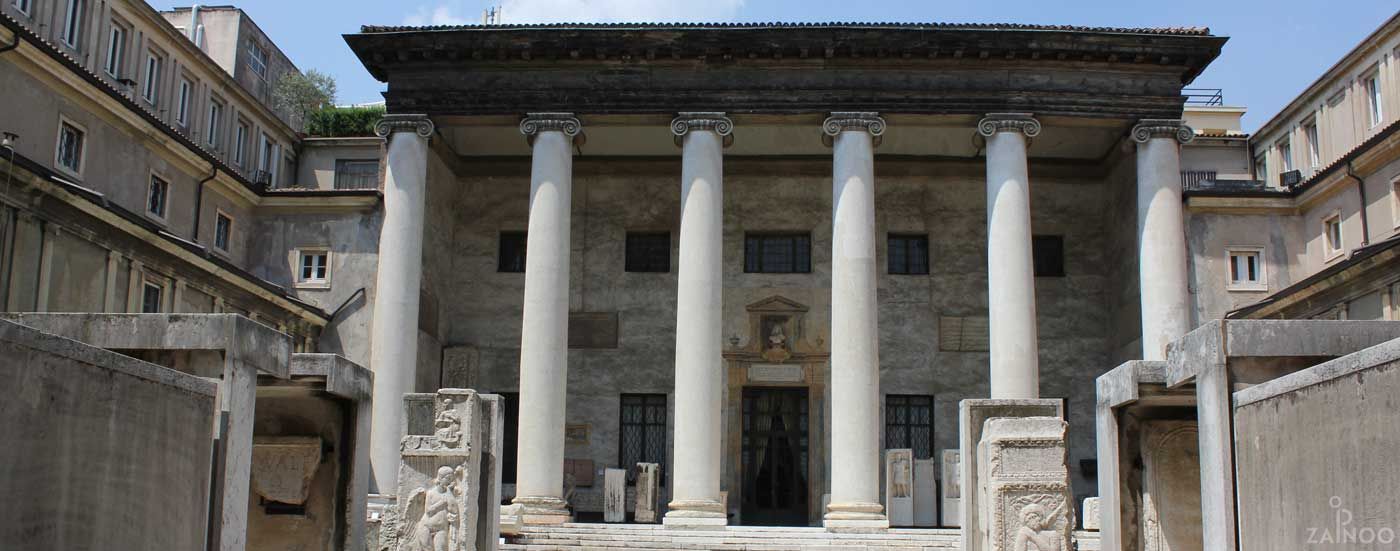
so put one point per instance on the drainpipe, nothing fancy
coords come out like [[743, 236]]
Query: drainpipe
[[194, 24], [1361, 192], [199, 198]]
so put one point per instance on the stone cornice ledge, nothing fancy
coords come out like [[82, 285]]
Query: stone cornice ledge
[[534, 123], [846, 121], [1147, 129], [714, 121], [1024, 123]]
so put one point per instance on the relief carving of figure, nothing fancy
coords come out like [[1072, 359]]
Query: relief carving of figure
[[434, 512], [777, 349], [448, 426], [900, 473], [1037, 531]]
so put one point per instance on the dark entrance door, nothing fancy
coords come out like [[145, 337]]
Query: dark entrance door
[[775, 457]]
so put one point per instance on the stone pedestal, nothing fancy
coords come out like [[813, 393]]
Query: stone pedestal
[[973, 416], [951, 491], [1024, 498], [615, 495], [899, 487], [1091, 519], [648, 484], [925, 493]]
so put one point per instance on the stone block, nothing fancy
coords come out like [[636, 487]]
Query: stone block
[[648, 484], [283, 467], [925, 493], [1024, 493], [488, 532], [1171, 483], [1091, 518], [972, 419], [438, 483], [899, 487], [950, 516], [615, 495]]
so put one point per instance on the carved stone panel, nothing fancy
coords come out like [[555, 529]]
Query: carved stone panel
[[1024, 495], [1171, 496], [899, 486], [648, 483], [283, 467], [951, 490], [439, 477]]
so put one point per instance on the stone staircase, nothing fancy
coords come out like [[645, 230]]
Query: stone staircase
[[575, 536]]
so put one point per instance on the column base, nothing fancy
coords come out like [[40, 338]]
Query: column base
[[696, 514], [537, 510], [855, 517]]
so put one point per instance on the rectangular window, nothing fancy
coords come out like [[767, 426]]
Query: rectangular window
[[23, 6], [648, 252], [257, 59], [356, 174], [1261, 169], [1285, 155], [1048, 255], [240, 143], [223, 227], [73, 23], [1332, 236], [777, 253], [643, 432], [116, 50], [909, 424], [314, 266], [1373, 98], [71, 140], [907, 254], [157, 196], [1314, 149], [182, 107], [267, 160], [150, 86], [510, 257], [216, 116], [1246, 269], [151, 298]]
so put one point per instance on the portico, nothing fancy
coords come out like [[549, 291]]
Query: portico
[[796, 184]]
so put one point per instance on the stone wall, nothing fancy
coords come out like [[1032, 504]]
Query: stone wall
[[102, 451]]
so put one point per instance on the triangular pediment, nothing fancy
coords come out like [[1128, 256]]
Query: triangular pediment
[[777, 303]]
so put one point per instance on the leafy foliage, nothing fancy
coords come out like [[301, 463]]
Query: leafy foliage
[[299, 95], [342, 122]]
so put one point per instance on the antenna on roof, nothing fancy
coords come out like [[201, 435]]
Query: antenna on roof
[[492, 16]]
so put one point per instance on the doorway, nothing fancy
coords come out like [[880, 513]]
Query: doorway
[[774, 457]]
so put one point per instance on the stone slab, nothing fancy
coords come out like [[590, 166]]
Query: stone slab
[[1091, 513], [899, 487], [283, 467], [950, 491], [615, 495], [648, 484], [1024, 492], [972, 417], [925, 493]]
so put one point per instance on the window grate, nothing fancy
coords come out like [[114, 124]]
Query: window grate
[[778, 253], [648, 252], [511, 255], [907, 254], [643, 432], [1048, 255], [356, 174], [909, 423]]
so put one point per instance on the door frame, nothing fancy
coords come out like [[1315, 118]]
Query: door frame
[[814, 382]]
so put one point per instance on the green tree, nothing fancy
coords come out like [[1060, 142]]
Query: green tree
[[299, 95]]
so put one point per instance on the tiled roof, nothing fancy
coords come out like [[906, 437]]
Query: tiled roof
[[1182, 31]]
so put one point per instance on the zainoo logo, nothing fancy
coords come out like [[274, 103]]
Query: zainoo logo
[[1343, 531]]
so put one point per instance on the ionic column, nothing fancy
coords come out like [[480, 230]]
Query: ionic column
[[394, 332], [1166, 304], [855, 358], [699, 384], [1010, 272], [544, 336]]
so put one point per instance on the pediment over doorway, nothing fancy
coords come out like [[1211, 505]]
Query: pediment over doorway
[[777, 303]]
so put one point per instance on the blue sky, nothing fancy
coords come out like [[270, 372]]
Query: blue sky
[[1276, 47]]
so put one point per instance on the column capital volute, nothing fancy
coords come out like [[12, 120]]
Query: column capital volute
[[713, 121], [535, 123], [417, 123], [1147, 129], [853, 121], [1024, 123]]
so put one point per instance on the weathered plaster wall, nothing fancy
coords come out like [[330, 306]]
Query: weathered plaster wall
[[1210, 236], [1383, 201]]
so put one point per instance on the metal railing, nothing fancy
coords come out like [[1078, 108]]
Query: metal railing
[[1194, 179], [1203, 96]]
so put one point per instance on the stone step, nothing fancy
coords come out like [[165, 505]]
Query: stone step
[[615, 537]]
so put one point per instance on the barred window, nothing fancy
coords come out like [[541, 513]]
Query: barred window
[[356, 174], [511, 255], [648, 252], [643, 432], [909, 423], [1048, 255], [907, 254], [778, 253]]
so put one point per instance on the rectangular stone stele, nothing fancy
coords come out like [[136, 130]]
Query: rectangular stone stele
[[1024, 496], [615, 495], [439, 477], [899, 487], [951, 491], [283, 467], [925, 493], [1171, 486], [648, 483], [1091, 513]]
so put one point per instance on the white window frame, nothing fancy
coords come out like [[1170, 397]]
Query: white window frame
[[82, 148], [240, 144], [258, 54], [182, 104], [1285, 154], [24, 7], [1310, 133], [1330, 253], [151, 81], [1372, 85], [298, 258], [165, 202], [212, 126], [116, 50], [147, 283], [1261, 273], [73, 23], [228, 241]]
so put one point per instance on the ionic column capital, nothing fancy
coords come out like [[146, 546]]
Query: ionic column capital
[[535, 123], [416, 123], [851, 121], [1024, 123], [690, 121], [1147, 129]]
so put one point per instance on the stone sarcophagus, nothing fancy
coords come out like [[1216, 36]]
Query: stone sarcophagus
[[1025, 495], [439, 482]]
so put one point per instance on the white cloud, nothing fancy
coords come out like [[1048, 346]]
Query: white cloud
[[457, 12]]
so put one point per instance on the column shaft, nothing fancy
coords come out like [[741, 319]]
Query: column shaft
[[1010, 271], [394, 332], [855, 358], [1166, 314], [699, 375], [545, 324]]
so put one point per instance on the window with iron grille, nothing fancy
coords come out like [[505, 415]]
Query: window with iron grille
[[907, 254], [1048, 255], [909, 423], [648, 252], [511, 255], [356, 174], [777, 253], [643, 431]]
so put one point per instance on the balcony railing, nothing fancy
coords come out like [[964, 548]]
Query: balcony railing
[[1196, 179], [1203, 96]]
